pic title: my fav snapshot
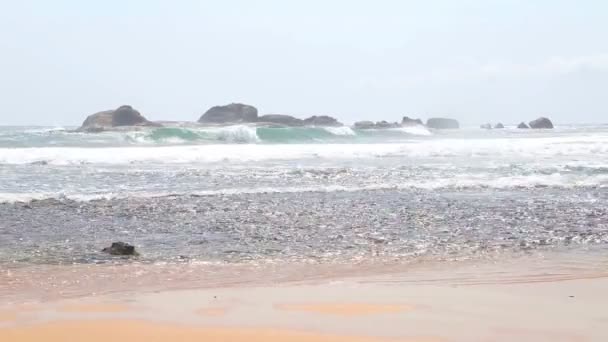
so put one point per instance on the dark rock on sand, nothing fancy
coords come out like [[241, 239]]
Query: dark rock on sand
[[322, 120], [442, 123], [499, 126], [120, 248], [541, 123], [232, 113], [407, 121], [123, 116], [486, 126], [281, 119], [364, 125], [523, 126]]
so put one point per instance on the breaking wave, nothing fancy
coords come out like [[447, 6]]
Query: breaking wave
[[196, 135]]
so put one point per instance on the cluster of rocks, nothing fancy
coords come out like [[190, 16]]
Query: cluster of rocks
[[234, 113], [540, 123], [489, 126], [238, 113], [376, 125], [242, 113], [406, 121]]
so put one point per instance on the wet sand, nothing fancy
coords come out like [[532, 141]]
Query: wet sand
[[392, 307]]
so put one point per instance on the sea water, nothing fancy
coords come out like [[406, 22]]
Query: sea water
[[245, 195]]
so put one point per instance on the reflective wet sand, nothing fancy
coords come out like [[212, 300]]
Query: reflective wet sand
[[526, 299]]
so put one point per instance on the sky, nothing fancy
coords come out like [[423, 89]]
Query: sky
[[474, 60]]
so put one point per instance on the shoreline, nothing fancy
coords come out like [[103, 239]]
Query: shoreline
[[524, 299], [572, 310], [46, 283]]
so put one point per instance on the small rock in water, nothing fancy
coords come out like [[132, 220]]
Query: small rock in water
[[541, 123], [120, 248]]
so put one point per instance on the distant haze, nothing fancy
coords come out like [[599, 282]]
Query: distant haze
[[473, 60]]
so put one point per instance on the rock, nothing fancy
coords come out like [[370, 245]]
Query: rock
[[541, 123], [322, 120], [120, 248], [232, 113], [442, 123], [386, 124], [486, 126], [378, 125], [407, 121], [120, 117], [523, 126], [364, 125], [499, 126], [281, 119]]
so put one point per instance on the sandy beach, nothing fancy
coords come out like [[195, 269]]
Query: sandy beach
[[428, 305]]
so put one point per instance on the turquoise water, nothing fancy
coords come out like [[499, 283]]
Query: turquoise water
[[60, 136]]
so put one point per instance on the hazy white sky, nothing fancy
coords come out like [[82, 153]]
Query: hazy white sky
[[474, 60]]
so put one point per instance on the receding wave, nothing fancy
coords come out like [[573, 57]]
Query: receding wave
[[556, 181]]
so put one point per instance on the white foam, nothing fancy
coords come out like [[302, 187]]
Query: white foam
[[342, 130], [239, 134], [46, 129], [590, 148], [460, 182], [414, 130]]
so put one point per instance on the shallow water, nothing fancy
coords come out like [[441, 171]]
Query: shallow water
[[341, 197], [307, 226]]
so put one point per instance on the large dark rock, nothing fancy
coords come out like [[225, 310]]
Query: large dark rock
[[120, 117], [281, 119], [486, 126], [442, 123], [499, 126], [522, 126], [322, 120], [120, 248], [232, 113], [541, 123], [407, 121], [364, 125]]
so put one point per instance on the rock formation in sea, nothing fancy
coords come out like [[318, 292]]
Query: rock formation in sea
[[229, 114], [407, 121], [242, 113], [377, 125], [386, 124], [120, 117], [364, 125], [523, 125], [322, 120], [120, 248], [486, 126], [541, 123], [281, 119], [442, 123], [499, 126]]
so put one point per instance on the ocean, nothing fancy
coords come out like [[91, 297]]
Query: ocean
[[243, 196]]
